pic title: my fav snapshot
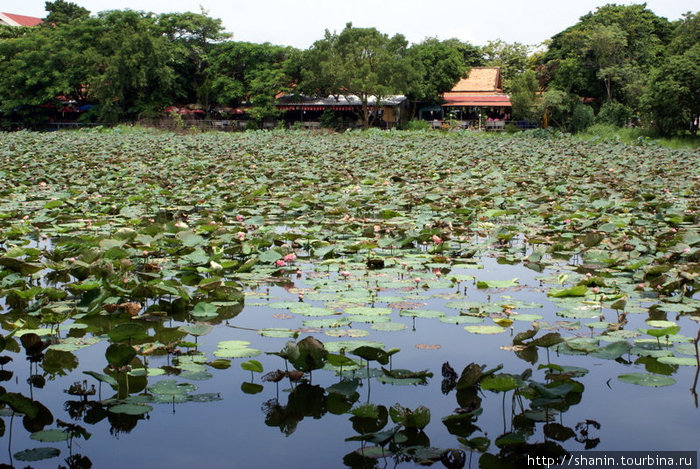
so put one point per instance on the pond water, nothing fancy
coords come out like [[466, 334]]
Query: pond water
[[400, 301], [292, 425]]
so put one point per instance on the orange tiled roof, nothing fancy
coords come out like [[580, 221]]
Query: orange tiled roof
[[19, 20]]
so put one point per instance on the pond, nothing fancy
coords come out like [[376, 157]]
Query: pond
[[282, 299]]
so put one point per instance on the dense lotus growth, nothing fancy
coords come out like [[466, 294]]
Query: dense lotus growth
[[149, 241]]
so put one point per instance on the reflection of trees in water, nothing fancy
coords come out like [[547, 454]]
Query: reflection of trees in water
[[305, 400]]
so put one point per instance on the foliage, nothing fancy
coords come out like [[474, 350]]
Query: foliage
[[613, 113], [417, 124], [61, 12], [523, 95], [672, 100], [359, 62], [511, 58], [581, 118], [440, 63]]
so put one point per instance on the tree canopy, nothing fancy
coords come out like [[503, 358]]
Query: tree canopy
[[622, 60], [359, 61]]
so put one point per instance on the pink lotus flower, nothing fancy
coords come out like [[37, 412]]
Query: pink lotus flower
[[280, 263], [417, 280], [241, 235], [239, 217], [436, 239], [345, 273], [290, 257]]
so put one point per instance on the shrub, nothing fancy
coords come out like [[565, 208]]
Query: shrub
[[511, 128], [582, 118], [613, 113], [417, 124]]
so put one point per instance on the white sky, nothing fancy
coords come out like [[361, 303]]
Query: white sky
[[300, 22]]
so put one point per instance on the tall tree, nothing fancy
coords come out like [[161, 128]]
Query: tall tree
[[604, 55], [361, 62], [191, 36], [234, 66], [62, 12], [511, 58], [672, 99], [440, 65], [523, 94], [133, 72]]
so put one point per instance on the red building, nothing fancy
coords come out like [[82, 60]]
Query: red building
[[10, 19]]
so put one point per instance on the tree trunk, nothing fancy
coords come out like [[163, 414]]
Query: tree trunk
[[365, 113]]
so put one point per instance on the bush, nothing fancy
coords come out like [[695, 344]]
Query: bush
[[329, 120], [582, 118], [511, 128], [417, 124], [613, 113]]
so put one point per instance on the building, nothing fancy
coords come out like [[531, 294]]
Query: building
[[392, 109], [478, 100], [11, 19]]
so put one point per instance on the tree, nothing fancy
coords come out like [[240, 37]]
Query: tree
[[133, 71], [362, 62], [440, 65], [43, 63], [240, 72], [606, 45], [606, 54], [672, 98], [523, 95], [511, 58], [62, 12]]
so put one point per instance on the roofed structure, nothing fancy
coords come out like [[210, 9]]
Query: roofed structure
[[483, 87], [11, 19]]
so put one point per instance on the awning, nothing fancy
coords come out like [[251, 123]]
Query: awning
[[478, 101], [308, 107]]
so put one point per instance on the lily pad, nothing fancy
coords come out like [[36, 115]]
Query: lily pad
[[646, 379], [485, 329]]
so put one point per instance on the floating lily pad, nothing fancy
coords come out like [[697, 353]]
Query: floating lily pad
[[485, 329], [278, 332], [422, 313], [683, 361], [388, 326], [463, 319], [37, 454], [204, 310], [646, 379], [131, 409], [50, 436]]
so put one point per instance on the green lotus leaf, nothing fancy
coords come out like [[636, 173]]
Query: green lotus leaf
[[646, 379]]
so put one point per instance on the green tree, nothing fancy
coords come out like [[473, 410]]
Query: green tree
[[606, 45], [42, 63], [440, 65], [191, 37], [241, 72], [607, 53], [511, 58], [672, 99], [62, 12], [361, 62], [133, 71], [524, 94]]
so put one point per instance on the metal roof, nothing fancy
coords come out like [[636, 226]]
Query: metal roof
[[340, 100]]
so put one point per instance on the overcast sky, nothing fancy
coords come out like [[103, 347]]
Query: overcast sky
[[299, 23]]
